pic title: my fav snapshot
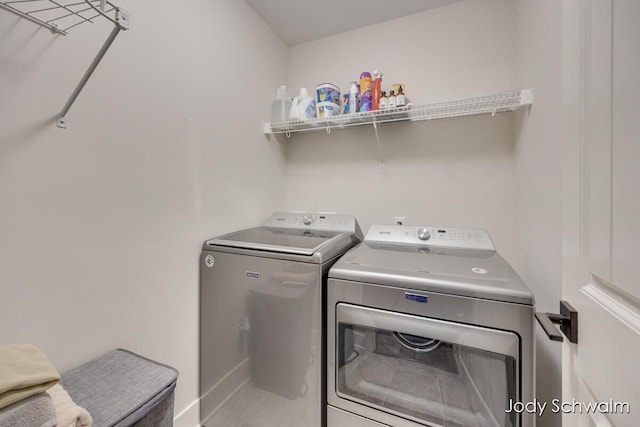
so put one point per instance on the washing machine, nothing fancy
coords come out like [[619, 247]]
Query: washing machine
[[262, 324], [428, 326]]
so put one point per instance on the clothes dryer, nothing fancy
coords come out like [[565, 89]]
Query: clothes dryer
[[428, 327], [261, 322]]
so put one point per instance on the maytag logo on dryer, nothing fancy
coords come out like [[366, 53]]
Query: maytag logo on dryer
[[416, 297], [209, 261], [253, 275]]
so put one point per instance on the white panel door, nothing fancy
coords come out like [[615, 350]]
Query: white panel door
[[602, 212]]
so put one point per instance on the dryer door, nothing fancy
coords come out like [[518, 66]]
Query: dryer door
[[423, 370]]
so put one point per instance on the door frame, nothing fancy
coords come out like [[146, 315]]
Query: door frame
[[575, 209]]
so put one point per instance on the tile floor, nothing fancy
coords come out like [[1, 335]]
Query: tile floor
[[252, 406]]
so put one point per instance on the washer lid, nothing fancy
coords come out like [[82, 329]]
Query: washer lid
[[282, 240], [455, 271], [319, 236]]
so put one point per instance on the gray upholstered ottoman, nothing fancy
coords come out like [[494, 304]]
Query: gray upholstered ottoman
[[123, 389]]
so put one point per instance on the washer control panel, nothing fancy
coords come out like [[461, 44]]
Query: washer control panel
[[315, 221], [448, 237]]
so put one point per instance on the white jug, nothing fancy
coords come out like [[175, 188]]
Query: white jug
[[303, 106], [281, 105]]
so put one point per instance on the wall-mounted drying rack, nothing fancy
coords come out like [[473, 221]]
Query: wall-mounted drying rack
[[489, 104], [59, 16]]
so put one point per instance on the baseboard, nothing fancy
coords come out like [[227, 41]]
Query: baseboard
[[214, 398], [189, 416], [217, 395]]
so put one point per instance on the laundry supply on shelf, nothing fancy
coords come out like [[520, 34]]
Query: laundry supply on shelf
[[281, 105], [303, 106], [365, 91], [328, 100]]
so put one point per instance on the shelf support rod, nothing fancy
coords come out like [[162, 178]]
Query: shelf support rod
[[375, 129], [122, 18]]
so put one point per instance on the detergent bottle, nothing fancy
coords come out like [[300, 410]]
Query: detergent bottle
[[303, 106], [281, 105], [365, 91]]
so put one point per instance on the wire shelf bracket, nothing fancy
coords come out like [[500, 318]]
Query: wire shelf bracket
[[59, 16]]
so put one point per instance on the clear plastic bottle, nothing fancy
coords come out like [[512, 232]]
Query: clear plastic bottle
[[281, 105], [383, 101], [391, 100], [400, 101]]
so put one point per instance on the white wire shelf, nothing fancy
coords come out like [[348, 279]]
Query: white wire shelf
[[490, 104], [59, 16]]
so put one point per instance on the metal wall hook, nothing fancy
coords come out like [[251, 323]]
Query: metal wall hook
[[567, 319]]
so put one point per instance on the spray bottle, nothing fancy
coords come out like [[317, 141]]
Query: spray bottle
[[376, 90]]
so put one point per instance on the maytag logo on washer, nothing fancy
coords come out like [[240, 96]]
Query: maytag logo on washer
[[209, 261], [253, 275], [416, 297], [479, 270]]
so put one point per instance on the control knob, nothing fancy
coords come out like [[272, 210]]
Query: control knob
[[307, 220], [423, 234]]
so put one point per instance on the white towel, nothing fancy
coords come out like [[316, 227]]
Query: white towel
[[68, 413]]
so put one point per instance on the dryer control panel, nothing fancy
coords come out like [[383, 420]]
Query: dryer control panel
[[446, 237], [314, 221]]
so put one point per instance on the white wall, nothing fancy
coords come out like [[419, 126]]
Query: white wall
[[101, 224], [539, 179], [448, 172], [502, 173]]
